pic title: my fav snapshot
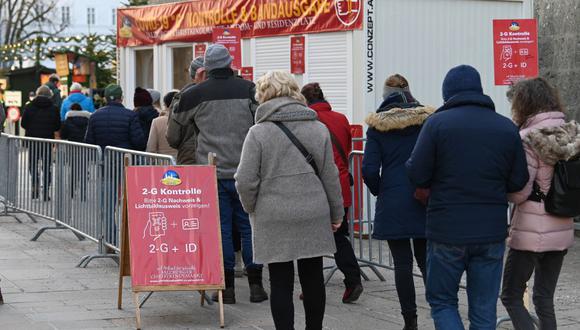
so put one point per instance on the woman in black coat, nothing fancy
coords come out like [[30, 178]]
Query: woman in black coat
[[40, 119]]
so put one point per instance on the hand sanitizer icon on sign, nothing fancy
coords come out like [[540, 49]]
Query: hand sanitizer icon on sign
[[157, 225]]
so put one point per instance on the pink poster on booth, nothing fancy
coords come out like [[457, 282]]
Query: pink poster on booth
[[174, 229], [231, 38]]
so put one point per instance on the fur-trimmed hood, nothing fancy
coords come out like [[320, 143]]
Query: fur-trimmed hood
[[399, 118], [555, 143], [76, 113]]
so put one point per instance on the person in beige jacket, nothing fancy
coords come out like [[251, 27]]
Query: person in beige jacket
[[157, 142]]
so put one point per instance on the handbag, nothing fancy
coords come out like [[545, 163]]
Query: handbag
[[564, 195]]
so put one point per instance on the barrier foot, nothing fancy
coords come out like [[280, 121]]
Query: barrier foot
[[330, 275], [144, 300], [376, 271], [207, 298], [79, 236], [364, 275], [504, 319], [31, 218], [87, 259], [57, 227], [501, 320], [43, 229], [12, 216]]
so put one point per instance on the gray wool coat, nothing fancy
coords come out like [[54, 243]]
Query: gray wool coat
[[290, 208]]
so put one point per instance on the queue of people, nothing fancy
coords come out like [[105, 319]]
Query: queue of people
[[443, 179]]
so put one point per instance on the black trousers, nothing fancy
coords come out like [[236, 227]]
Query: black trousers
[[40, 162], [518, 270], [403, 259], [344, 257], [282, 288]]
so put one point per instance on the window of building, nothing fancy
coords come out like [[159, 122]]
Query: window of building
[[144, 68], [65, 15], [114, 17], [91, 16], [182, 57]]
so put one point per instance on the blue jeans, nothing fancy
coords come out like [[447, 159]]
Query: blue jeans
[[231, 212], [445, 265]]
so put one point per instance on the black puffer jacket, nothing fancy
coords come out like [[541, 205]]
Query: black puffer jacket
[[41, 118], [146, 115], [75, 125]]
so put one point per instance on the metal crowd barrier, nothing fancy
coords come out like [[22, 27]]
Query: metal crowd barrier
[[370, 252], [4, 172], [114, 163], [75, 185]]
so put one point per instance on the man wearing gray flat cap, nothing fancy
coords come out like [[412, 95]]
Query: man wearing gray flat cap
[[221, 110], [186, 151]]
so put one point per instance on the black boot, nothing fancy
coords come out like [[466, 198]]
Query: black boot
[[257, 292], [410, 322], [229, 294]]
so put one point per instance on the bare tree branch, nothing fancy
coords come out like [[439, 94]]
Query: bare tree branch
[[23, 19]]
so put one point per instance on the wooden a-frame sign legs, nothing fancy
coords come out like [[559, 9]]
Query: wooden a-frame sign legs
[[125, 270]]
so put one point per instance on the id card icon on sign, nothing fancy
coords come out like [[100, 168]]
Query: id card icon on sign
[[190, 224]]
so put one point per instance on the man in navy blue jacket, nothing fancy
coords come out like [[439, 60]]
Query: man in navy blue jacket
[[114, 125], [471, 158]]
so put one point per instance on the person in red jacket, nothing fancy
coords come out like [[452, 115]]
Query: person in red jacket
[[339, 129]]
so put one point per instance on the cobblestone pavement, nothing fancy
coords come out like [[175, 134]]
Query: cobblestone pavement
[[43, 290]]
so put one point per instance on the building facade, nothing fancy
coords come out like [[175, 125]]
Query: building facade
[[559, 42], [351, 66], [88, 16]]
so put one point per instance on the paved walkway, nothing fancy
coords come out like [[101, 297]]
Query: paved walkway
[[43, 290]]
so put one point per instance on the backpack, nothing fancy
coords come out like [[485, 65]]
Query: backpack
[[563, 198]]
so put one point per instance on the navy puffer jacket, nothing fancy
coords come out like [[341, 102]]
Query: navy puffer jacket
[[114, 125], [391, 136]]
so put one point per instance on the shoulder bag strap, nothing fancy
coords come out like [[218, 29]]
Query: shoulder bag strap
[[299, 145], [339, 148], [336, 144]]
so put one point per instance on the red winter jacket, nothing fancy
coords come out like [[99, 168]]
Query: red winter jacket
[[338, 125]]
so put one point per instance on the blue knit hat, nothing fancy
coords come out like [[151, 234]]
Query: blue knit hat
[[463, 78]]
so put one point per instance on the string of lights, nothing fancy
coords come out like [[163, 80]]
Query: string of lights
[[27, 50]]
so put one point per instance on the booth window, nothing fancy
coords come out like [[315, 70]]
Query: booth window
[[182, 58], [144, 68]]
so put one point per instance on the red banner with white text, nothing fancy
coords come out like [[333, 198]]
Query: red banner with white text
[[193, 21]]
